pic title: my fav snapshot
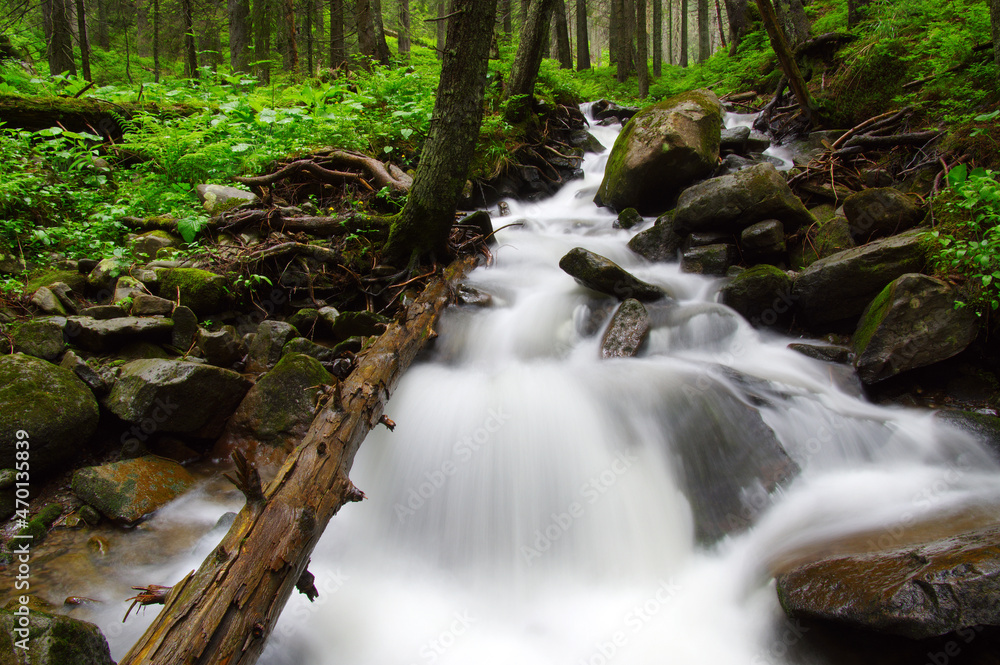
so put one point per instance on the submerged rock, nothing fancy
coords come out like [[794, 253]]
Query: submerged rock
[[627, 331], [605, 276], [129, 490]]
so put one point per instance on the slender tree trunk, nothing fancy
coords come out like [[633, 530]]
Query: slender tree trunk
[[562, 36], [722, 30], [442, 27], [785, 57], [792, 17], [239, 35], [582, 38], [338, 50], [291, 53], [641, 65], [628, 34], [615, 34], [995, 23], [670, 32], [736, 14], [381, 46], [684, 32], [81, 21], [657, 37], [704, 32], [371, 35], [59, 37], [506, 13], [190, 53], [423, 225], [308, 29], [262, 39], [319, 33], [524, 71], [404, 30], [101, 32]]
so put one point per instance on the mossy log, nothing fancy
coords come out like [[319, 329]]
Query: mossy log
[[224, 612], [79, 115]]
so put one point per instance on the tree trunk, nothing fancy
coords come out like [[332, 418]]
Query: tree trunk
[[704, 32], [785, 57], [722, 31], [995, 22], [736, 15], [582, 38], [262, 39], [81, 21], [683, 18], [854, 11], [615, 34], [338, 50], [190, 53], [382, 53], [562, 36], [507, 19], [103, 20], [641, 64], [422, 227], [670, 32], [404, 30], [156, 41], [239, 35], [793, 19], [59, 37], [628, 34], [524, 71], [291, 50], [657, 37], [442, 28], [308, 20]]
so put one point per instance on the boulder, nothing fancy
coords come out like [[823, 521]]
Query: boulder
[[301, 345], [984, 427], [763, 240], [144, 304], [709, 259], [734, 139], [53, 408], [762, 295], [660, 242], [911, 323], [328, 317], [103, 312], [627, 218], [605, 276], [265, 350], [880, 212], [42, 338], [92, 378], [48, 302], [664, 148], [627, 331], [176, 396], [917, 590], [830, 353], [222, 348], [101, 336], [219, 198], [358, 324], [202, 291], [52, 639], [126, 289], [146, 246], [730, 203], [185, 329], [277, 412], [127, 491], [105, 273], [64, 293], [833, 235], [42, 278], [581, 138], [473, 297], [304, 320], [841, 286]]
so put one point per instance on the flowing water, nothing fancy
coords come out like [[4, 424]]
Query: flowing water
[[528, 507]]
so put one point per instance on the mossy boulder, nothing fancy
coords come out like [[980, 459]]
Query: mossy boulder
[[833, 235], [627, 331], [146, 246], [911, 323], [265, 350], [52, 639], [127, 491], [46, 300], [660, 242], [276, 413], [730, 203], [219, 198], [202, 291], [879, 212], [664, 148], [176, 396], [103, 335], [713, 259], [605, 276], [42, 338], [222, 348], [763, 240], [304, 320], [762, 295], [50, 405], [104, 274], [627, 218], [358, 324], [74, 279]]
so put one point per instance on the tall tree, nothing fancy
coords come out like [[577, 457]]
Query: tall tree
[[422, 227], [308, 16], [156, 41], [657, 37], [521, 85], [404, 30], [81, 22], [785, 57], [995, 22], [58, 36], [442, 27], [670, 32], [854, 11], [704, 32], [338, 48], [642, 56], [582, 38], [736, 16], [101, 31], [562, 35], [290, 50], [371, 35], [722, 31], [683, 18], [262, 39], [506, 18], [793, 19], [239, 35], [190, 53]]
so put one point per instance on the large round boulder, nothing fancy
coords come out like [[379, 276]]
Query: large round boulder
[[762, 295], [53, 409], [879, 212], [664, 148], [128, 490], [204, 292]]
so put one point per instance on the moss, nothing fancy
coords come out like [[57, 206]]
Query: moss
[[204, 292], [74, 279], [39, 525], [872, 317]]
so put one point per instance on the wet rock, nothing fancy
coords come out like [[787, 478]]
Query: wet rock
[[304, 320], [762, 295], [708, 259], [665, 147], [51, 405], [176, 396], [53, 639], [127, 491], [47, 301], [42, 338], [328, 317], [985, 428], [627, 331], [842, 285], [833, 236], [101, 336], [481, 221], [584, 139], [603, 275], [880, 212], [627, 218], [144, 304], [763, 240], [185, 328], [301, 345], [734, 139], [222, 348], [730, 164], [473, 297], [277, 412], [64, 293], [605, 110], [917, 590], [358, 324], [126, 289], [92, 378], [911, 323], [265, 351], [103, 312], [730, 203], [202, 291], [660, 242], [219, 198], [146, 246], [827, 353]]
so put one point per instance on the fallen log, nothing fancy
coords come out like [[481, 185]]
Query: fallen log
[[96, 116], [223, 613]]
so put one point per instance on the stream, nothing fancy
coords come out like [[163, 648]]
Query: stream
[[529, 507]]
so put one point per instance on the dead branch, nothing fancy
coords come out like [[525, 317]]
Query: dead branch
[[309, 166]]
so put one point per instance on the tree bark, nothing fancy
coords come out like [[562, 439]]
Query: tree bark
[[239, 35], [562, 35], [722, 31], [291, 50], [657, 37], [422, 227], [641, 64], [81, 22], [338, 50], [704, 32], [190, 53], [670, 32], [103, 20], [736, 15], [995, 23], [262, 40], [506, 14], [683, 18], [785, 57], [442, 28], [854, 11], [792, 17], [524, 71], [156, 41], [582, 37], [403, 39], [224, 612], [59, 36]]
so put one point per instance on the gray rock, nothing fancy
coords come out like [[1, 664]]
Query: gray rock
[[301, 345], [841, 286], [763, 240], [64, 293], [101, 336], [146, 246], [265, 351], [47, 301], [328, 317], [911, 323], [734, 139], [176, 396], [94, 379], [880, 212], [129, 490], [219, 198], [732, 163], [708, 259], [584, 139], [627, 218], [627, 331], [144, 304], [104, 312], [660, 242], [42, 338], [473, 297], [185, 328], [304, 320], [664, 148], [762, 295], [358, 324], [827, 353], [53, 639], [222, 348], [106, 272], [126, 289], [603, 275]]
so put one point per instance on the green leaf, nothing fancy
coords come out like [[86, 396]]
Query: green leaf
[[406, 133], [958, 175]]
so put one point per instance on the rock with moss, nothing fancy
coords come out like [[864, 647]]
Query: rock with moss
[[144, 304], [664, 148], [627, 218], [912, 323], [277, 412], [50, 639], [129, 490], [103, 276], [51, 408], [219, 198], [46, 301], [762, 295], [879, 212], [146, 246], [324, 354], [265, 350], [358, 324], [140, 351], [48, 277], [833, 235], [176, 396], [223, 347], [605, 276], [95, 379], [64, 293], [38, 526], [730, 203], [841, 286], [304, 320], [102, 336], [712, 259], [627, 331], [763, 241], [42, 338], [202, 291], [660, 242], [125, 290]]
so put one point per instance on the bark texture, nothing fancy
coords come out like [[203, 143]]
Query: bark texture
[[190, 52], [704, 32], [403, 39], [736, 16], [524, 71], [338, 51], [995, 23], [582, 38], [262, 39], [642, 56], [785, 57], [239, 35], [657, 37], [562, 35]]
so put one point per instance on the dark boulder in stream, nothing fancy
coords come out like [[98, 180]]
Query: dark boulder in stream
[[605, 276], [52, 639]]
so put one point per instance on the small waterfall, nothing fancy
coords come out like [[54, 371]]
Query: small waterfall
[[530, 506]]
